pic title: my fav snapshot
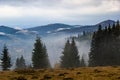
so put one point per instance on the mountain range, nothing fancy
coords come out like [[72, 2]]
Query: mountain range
[[50, 29]]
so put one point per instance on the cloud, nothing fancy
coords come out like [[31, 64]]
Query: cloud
[[59, 10], [9, 11], [28, 2]]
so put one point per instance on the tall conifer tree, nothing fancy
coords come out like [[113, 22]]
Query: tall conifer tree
[[70, 57], [39, 55], [65, 59], [6, 60]]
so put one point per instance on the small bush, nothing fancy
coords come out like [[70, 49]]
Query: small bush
[[34, 77], [25, 71], [97, 71], [66, 73], [68, 79], [41, 70], [114, 66], [46, 76], [118, 77], [78, 73], [18, 78], [21, 78], [61, 74]]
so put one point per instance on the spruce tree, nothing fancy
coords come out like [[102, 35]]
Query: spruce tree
[[97, 42], [6, 60], [93, 49], [39, 55], [65, 59], [75, 58], [46, 62], [17, 64], [20, 63], [70, 57]]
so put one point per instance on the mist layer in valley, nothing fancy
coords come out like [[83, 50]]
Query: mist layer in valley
[[54, 44]]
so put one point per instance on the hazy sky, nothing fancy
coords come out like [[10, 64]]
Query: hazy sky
[[30, 13]]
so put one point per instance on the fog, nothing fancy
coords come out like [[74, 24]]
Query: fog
[[54, 45], [84, 49]]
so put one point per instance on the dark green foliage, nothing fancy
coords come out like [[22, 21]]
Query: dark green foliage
[[66, 53], [39, 56], [70, 56], [5, 58], [20, 63], [105, 46]]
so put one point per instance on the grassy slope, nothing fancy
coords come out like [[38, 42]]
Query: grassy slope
[[87, 73]]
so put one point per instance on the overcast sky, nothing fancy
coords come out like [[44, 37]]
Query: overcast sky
[[30, 13]]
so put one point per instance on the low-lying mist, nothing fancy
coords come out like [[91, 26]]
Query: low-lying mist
[[84, 49], [54, 44]]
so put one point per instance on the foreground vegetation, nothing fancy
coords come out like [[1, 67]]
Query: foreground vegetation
[[84, 73]]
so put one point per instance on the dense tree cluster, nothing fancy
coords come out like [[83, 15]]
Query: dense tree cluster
[[105, 46], [20, 63], [70, 57]]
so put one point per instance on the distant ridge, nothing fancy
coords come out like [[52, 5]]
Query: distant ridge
[[49, 28], [106, 23], [8, 30], [56, 28], [89, 28]]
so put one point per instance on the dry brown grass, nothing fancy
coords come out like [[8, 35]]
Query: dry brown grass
[[85, 73]]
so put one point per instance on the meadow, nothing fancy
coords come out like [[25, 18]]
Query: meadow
[[83, 73]]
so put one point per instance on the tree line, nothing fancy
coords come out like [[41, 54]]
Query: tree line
[[105, 46]]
